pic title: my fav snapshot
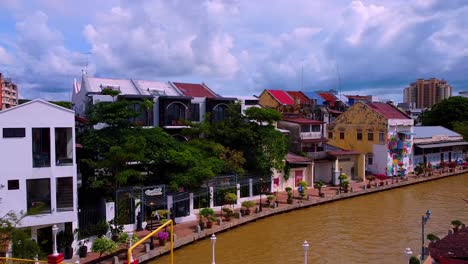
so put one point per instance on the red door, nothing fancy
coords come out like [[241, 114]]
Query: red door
[[298, 176]]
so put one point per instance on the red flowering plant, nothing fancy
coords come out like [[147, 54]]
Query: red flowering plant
[[381, 177]]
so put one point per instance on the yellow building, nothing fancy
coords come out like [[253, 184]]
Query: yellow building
[[379, 130]]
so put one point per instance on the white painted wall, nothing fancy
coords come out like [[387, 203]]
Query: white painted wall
[[380, 159], [16, 159]]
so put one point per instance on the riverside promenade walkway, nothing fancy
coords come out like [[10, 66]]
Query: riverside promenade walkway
[[186, 233]]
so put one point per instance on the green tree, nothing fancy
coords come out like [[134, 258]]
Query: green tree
[[252, 135], [447, 112], [23, 246]]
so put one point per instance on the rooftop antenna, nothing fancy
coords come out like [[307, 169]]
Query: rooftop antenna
[[302, 75], [339, 78], [85, 71]]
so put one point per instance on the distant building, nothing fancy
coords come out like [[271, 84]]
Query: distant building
[[8, 93], [379, 130], [426, 93], [436, 144]]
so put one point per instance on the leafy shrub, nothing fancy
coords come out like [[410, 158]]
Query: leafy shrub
[[104, 245]]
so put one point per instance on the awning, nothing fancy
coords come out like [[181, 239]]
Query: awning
[[439, 145]]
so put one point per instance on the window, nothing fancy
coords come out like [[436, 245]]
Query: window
[[38, 196], [305, 128], [370, 159], [341, 134], [14, 132], [330, 135], [63, 146], [219, 113], [64, 194], [13, 185], [251, 102], [381, 137], [195, 112], [370, 135], [41, 147], [315, 128], [359, 134], [175, 113]]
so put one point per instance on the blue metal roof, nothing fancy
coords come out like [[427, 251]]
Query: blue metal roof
[[315, 96], [430, 131]]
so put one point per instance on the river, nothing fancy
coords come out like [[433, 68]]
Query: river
[[374, 228]]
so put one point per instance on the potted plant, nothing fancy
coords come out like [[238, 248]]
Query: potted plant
[[123, 238], [64, 243], [162, 237], [104, 245], [101, 228], [433, 238], [247, 205], [345, 185], [456, 225], [228, 213], [302, 189], [115, 230], [207, 213], [290, 195], [83, 248], [270, 199], [319, 186], [370, 179], [414, 260], [230, 198]]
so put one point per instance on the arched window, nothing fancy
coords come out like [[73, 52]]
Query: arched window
[[175, 113], [219, 112]]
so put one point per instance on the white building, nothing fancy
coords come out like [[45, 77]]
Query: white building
[[435, 144], [37, 157]]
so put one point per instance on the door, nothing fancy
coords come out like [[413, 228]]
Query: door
[[44, 239]]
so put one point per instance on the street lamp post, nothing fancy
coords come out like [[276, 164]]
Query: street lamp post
[[424, 219], [408, 254], [261, 191], [54, 240], [305, 246], [213, 242]]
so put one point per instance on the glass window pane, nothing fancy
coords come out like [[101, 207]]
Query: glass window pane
[[64, 194], [63, 146], [38, 196], [41, 147]]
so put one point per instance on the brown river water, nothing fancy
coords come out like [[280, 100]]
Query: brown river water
[[374, 228]]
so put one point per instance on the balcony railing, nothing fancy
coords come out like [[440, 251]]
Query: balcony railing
[[311, 135]]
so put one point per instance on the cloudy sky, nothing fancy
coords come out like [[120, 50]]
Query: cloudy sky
[[237, 47]]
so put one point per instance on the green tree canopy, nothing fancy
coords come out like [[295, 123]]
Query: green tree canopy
[[451, 113]]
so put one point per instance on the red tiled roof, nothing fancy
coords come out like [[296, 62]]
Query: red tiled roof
[[293, 158], [450, 247], [356, 96], [329, 97], [387, 110], [303, 121], [334, 112], [195, 90], [282, 97], [299, 96]]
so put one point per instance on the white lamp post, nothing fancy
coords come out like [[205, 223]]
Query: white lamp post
[[54, 239], [305, 245], [408, 254], [213, 242]]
